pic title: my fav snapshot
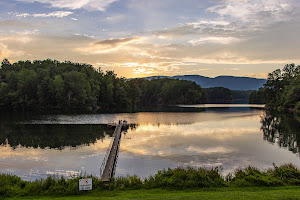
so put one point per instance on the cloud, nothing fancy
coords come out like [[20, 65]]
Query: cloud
[[114, 46], [4, 51], [100, 5], [59, 14], [254, 11], [23, 37], [234, 20], [15, 24], [84, 35], [233, 69], [220, 40], [211, 28], [142, 70], [115, 42], [115, 18], [262, 75]]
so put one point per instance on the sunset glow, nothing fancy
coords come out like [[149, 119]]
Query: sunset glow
[[138, 38]]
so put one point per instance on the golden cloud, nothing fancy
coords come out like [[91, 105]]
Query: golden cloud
[[118, 41]]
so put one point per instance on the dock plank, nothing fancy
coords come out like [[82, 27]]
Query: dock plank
[[108, 171]]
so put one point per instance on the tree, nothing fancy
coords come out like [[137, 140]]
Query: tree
[[59, 90], [77, 89], [68, 86], [5, 62], [281, 91], [218, 95]]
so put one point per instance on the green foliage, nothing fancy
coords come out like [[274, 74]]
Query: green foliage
[[218, 95], [50, 85], [185, 178], [178, 178], [286, 174], [297, 107], [281, 91], [240, 96], [14, 186], [251, 176], [129, 182], [167, 91], [257, 97]]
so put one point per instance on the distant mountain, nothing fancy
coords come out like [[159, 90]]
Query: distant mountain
[[230, 82]]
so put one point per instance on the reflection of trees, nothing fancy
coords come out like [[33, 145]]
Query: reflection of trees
[[281, 129], [51, 136]]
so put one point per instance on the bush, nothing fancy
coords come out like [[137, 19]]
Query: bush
[[186, 178], [12, 185], [286, 174], [178, 178]]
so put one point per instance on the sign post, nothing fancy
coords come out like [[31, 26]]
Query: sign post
[[85, 184]]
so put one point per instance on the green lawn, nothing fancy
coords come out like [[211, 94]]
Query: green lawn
[[256, 193]]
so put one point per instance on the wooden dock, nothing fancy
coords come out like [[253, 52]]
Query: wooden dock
[[108, 167]]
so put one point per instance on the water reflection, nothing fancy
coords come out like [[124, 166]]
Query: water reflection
[[152, 118], [34, 147], [282, 129], [230, 140], [51, 136]]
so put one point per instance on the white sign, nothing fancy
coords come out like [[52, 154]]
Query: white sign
[[85, 184]]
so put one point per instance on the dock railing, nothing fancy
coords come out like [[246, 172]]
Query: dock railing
[[107, 154]]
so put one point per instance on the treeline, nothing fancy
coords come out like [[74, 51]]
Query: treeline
[[281, 91], [178, 178], [65, 86], [225, 95]]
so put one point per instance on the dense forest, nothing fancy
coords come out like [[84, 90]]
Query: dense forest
[[221, 95], [51, 85], [281, 91], [218, 95]]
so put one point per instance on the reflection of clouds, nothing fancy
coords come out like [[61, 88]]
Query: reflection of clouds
[[29, 153], [161, 140], [23, 158], [169, 140], [231, 141], [219, 150]]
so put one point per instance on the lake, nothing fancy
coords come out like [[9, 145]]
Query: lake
[[36, 146]]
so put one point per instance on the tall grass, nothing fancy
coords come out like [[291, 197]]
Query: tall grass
[[178, 178], [11, 185]]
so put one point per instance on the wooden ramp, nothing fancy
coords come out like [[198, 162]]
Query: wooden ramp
[[108, 167]]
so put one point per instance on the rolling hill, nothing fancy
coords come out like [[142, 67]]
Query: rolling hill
[[230, 82]]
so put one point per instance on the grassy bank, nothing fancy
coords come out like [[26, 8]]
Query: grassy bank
[[166, 181], [268, 193]]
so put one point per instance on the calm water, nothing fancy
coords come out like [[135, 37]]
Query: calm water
[[37, 146]]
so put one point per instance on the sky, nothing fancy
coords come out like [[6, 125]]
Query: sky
[[139, 38]]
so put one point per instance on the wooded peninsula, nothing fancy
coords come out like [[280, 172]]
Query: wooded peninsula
[[66, 86], [50, 85], [281, 91]]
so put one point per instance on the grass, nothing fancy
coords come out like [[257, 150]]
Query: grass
[[281, 182], [269, 193]]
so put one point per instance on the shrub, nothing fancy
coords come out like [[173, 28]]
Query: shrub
[[286, 174], [178, 178], [186, 178]]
